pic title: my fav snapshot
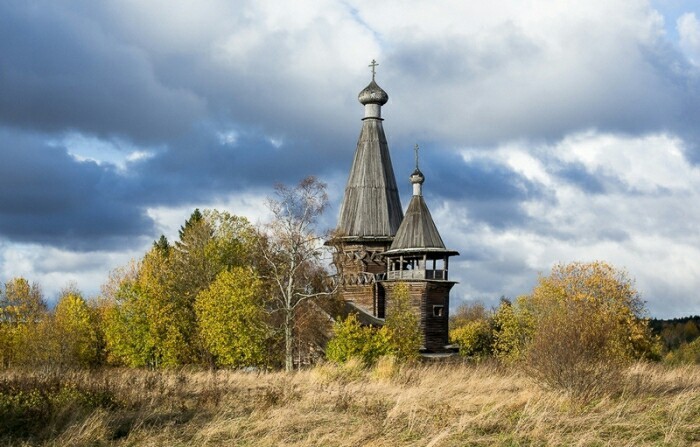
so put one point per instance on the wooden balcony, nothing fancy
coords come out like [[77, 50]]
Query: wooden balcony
[[417, 274]]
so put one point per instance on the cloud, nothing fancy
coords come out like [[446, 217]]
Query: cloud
[[60, 70], [551, 130], [49, 197], [689, 34], [643, 220]]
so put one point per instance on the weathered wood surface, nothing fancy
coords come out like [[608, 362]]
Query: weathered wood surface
[[417, 230], [423, 295], [371, 205]]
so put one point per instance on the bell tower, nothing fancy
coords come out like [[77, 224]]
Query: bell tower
[[418, 257]]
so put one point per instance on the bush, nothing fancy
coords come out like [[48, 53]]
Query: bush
[[687, 353], [513, 326], [352, 340], [588, 326], [474, 338], [574, 350]]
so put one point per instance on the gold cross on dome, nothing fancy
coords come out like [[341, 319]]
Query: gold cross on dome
[[374, 68]]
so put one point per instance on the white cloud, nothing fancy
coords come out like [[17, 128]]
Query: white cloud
[[228, 138], [250, 204], [644, 220], [114, 152], [688, 28], [55, 268], [524, 80]]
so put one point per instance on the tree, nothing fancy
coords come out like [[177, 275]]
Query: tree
[[151, 319], [210, 242], [475, 338], [76, 334], [589, 323], [293, 251], [231, 319], [22, 312], [402, 325], [513, 326], [686, 353], [467, 313]]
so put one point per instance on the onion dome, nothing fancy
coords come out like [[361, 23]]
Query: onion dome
[[373, 94], [417, 177]]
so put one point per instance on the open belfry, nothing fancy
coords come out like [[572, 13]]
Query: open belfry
[[377, 247]]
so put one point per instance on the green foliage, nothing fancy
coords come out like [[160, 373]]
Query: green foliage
[[151, 319], [32, 407], [127, 335], [162, 244], [402, 325], [513, 327], [231, 319], [475, 338], [352, 340], [147, 325], [686, 353], [471, 329]]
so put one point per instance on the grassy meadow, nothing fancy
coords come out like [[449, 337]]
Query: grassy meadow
[[388, 405]]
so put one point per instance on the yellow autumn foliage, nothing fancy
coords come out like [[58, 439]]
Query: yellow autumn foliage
[[231, 319], [588, 324], [76, 333]]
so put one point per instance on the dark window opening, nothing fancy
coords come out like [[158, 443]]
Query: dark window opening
[[438, 311]]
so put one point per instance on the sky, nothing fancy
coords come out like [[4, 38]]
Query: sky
[[550, 132]]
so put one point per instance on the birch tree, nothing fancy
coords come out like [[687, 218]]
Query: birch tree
[[293, 252]]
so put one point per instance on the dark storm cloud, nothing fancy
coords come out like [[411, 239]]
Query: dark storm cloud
[[491, 192], [48, 197], [59, 70], [200, 167]]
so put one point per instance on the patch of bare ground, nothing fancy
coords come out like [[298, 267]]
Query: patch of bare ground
[[389, 405]]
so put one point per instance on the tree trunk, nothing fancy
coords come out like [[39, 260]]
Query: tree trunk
[[288, 341]]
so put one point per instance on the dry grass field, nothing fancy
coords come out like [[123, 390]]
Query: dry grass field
[[424, 405]]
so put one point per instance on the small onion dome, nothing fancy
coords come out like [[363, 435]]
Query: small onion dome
[[417, 177], [373, 94]]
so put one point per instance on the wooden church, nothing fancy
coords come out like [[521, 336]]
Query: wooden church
[[378, 247]]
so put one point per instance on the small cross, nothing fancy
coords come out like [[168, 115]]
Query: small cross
[[374, 66], [416, 149]]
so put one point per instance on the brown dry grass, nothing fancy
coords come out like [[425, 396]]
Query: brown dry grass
[[425, 405]]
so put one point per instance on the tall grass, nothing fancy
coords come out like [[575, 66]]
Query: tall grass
[[390, 405]]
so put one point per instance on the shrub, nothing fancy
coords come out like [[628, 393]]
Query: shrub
[[588, 325], [687, 353], [405, 337], [474, 338], [513, 326], [352, 340]]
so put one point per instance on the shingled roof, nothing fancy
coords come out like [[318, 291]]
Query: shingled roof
[[418, 230], [371, 206]]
